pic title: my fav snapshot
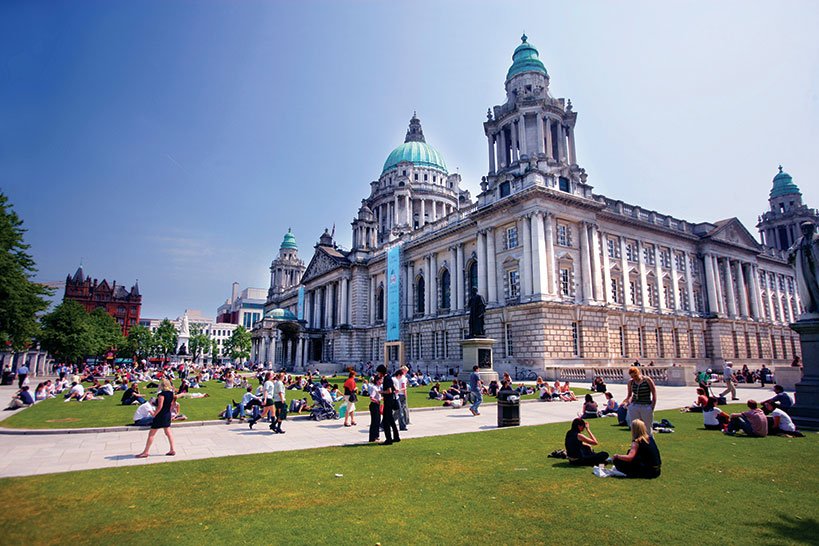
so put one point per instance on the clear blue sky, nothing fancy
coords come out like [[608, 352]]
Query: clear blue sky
[[175, 142]]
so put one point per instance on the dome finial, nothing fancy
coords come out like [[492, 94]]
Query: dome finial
[[780, 168], [524, 37]]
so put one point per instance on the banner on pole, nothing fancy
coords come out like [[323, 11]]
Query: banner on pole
[[300, 308], [394, 294]]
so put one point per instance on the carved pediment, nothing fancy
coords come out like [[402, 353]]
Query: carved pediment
[[734, 233], [321, 264]]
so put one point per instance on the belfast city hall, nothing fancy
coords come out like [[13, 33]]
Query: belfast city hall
[[571, 278]]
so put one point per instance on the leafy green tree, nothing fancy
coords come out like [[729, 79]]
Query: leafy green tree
[[214, 351], [140, 342], [165, 338], [238, 345], [199, 342], [106, 333], [67, 333], [20, 298]]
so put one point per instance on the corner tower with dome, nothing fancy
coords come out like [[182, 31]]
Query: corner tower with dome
[[779, 226], [576, 283], [287, 268]]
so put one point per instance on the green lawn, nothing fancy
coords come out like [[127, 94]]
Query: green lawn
[[55, 413], [490, 487]]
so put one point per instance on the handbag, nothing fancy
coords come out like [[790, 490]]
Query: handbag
[[353, 397]]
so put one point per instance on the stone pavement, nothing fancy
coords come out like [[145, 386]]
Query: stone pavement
[[24, 455]]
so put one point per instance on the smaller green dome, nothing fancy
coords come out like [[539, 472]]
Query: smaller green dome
[[281, 314], [783, 185], [525, 59], [289, 241]]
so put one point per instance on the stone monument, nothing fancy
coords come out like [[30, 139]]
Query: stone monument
[[184, 337], [804, 255], [477, 348]]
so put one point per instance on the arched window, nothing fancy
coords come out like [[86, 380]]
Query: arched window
[[379, 304], [420, 294], [471, 279], [445, 292]]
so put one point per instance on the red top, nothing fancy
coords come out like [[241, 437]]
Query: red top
[[349, 385]]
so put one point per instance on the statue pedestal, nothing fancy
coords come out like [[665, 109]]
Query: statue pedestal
[[478, 352], [805, 411]]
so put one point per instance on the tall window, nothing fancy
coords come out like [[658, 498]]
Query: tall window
[[514, 283], [774, 352], [507, 337], [379, 304], [631, 251], [565, 281], [633, 292], [641, 340], [435, 345], [445, 344], [665, 259], [736, 344], [667, 296], [648, 254], [759, 345], [658, 337], [420, 293], [564, 235], [512, 237], [615, 291], [445, 290], [563, 184], [747, 345], [784, 348], [505, 189], [677, 348], [692, 346], [472, 279], [613, 248], [576, 338]]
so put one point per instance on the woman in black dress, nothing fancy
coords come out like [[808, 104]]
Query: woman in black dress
[[162, 418]]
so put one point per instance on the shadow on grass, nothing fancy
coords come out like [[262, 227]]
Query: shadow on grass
[[790, 528]]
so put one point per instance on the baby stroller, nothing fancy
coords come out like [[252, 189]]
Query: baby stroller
[[321, 408]]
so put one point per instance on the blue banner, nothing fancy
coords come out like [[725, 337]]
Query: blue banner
[[394, 294], [300, 308]]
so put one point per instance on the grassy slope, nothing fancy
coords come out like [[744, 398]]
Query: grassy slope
[[469, 488], [55, 413]]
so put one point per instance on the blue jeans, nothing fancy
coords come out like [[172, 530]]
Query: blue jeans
[[144, 422], [477, 401]]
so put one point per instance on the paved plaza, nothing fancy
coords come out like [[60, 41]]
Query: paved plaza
[[47, 452]]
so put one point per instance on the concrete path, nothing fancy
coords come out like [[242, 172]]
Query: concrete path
[[24, 455]]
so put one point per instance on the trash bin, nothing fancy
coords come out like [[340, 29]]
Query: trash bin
[[8, 378], [508, 411]]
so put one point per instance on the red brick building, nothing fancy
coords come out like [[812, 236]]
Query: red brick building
[[122, 304]]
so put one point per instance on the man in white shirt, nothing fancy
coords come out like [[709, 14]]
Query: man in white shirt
[[77, 392], [144, 414], [401, 384], [730, 382], [280, 404], [778, 420]]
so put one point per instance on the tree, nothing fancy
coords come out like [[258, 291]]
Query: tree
[[140, 342], [199, 342], [106, 333], [67, 333], [165, 338], [214, 351], [238, 345], [20, 298]]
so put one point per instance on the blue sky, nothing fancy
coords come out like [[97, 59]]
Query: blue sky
[[175, 142]]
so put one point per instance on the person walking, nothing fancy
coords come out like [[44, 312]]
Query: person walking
[[388, 389], [641, 398], [374, 392], [350, 398], [401, 383], [162, 419], [22, 375], [730, 382], [279, 403], [268, 402], [475, 385]]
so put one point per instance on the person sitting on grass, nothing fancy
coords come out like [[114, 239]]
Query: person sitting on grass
[[176, 411], [643, 459], [21, 399], [590, 410], [132, 395], [579, 442], [144, 414], [611, 405], [41, 392], [779, 422], [435, 392], [698, 404], [598, 385], [545, 392], [566, 394], [76, 392], [714, 418], [781, 398], [107, 389], [753, 422]]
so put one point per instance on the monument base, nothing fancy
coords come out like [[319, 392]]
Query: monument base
[[478, 352], [805, 411]]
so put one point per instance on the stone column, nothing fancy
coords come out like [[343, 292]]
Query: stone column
[[273, 350], [408, 285], [344, 312], [423, 219], [549, 144], [299, 352], [490, 139], [658, 273], [689, 282], [551, 269], [492, 273], [514, 135], [540, 279], [790, 304], [675, 282], [433, 264], [595, 256], [429, 285], [769, 296], [585, 266], [606, 269], [561, 142], [308, 311], [641, 267], [718, 277], [526, 262], [624, 268], [459, 275], [481, 248], [328, 306], [711, 285], [779, 304], [754, 290], [572, 151], [453, 278], [522, 135], [743, 294], [539, 121], [729, 287], [502, 159]]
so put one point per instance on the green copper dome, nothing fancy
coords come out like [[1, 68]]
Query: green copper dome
[[415, 150], [783, 185], [289, 241], [525, 59]]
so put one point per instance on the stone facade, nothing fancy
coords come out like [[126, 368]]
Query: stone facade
[[571, 278]]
